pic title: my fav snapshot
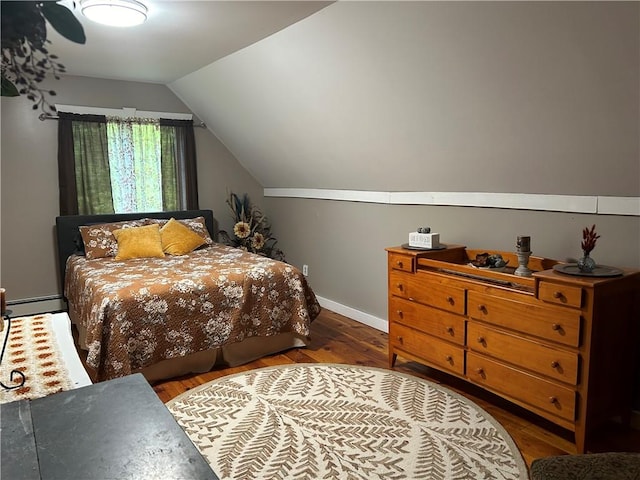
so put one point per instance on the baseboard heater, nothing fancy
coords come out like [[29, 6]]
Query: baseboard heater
[[36, 305]]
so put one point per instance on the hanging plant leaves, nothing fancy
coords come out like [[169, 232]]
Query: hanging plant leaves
[[65, 22], [8, 88], [26, 60], [22, 21]]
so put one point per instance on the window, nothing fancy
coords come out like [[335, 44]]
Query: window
[[123, 165]]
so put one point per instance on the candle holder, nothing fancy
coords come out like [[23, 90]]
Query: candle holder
[[523, 260], [523, 244]]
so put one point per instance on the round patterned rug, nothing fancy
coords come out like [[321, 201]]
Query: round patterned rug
[[313, 421]]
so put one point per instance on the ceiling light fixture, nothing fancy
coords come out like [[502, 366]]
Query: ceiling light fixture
[[117, 13]]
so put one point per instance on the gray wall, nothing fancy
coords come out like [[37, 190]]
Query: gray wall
[[527, 97], [505, 97], [343, 242], [29, 176]]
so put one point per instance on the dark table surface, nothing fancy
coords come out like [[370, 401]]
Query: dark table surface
[[117, 429]]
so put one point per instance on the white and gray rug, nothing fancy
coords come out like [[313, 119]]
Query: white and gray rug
[[330, 421]]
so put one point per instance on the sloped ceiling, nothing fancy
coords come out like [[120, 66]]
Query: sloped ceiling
[[404, 96], [435, 96], [178, 38]]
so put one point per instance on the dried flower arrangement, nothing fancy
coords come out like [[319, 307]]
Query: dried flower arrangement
[[252, 229], [586, 264], [589, 238]]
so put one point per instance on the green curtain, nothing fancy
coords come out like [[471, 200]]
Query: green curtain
[[83, 165], [169, 154], [178, 157]]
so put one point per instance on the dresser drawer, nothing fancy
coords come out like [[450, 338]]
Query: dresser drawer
[[551, 362], [400, 262], [550, 323], [436, 352], [560, 294], [421, 288], [439, 323], [522, 386]]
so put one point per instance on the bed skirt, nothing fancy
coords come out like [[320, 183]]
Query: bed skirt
[[200, 362]]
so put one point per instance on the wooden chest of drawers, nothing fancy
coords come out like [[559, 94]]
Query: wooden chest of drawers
[[558, 345]]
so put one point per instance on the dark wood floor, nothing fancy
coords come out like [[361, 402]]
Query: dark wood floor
[[337, 339]]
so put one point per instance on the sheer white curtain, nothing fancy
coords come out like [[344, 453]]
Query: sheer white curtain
[[134, 164]]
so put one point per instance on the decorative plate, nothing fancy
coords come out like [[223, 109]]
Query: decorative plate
[[599, 271], [409, 247]]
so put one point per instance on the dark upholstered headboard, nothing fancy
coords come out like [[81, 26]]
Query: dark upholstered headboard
[[67, 232]]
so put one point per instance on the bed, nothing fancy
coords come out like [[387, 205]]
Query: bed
[[166, 316]]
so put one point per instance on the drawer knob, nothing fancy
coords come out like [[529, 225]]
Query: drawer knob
[[450, 330], [482, 340], [400, 314], [553, 400], [482, 308], [555, 364], [399, 263], [556, 326], [450, 300], [557, 294], [400, 339], [449, 358], [480, 371], [399, 286]]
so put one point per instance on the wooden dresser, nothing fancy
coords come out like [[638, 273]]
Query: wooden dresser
[[558, 345]]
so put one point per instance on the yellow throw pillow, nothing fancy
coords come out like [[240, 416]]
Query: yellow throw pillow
[[139, 242], [178, 239], [99, 241]]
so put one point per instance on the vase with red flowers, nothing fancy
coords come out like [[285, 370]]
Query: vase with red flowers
[[586, 264]]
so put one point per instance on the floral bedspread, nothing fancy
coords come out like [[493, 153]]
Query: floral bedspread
[[138, 312]]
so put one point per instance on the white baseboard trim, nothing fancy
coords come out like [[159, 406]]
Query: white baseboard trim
[[34, 306], [593, 204], [362, 317]]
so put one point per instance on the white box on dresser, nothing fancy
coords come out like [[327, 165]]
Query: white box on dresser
[[424, 240]]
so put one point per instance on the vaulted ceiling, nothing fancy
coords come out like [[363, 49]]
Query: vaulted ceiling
[[398, 96], [178, 38]]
